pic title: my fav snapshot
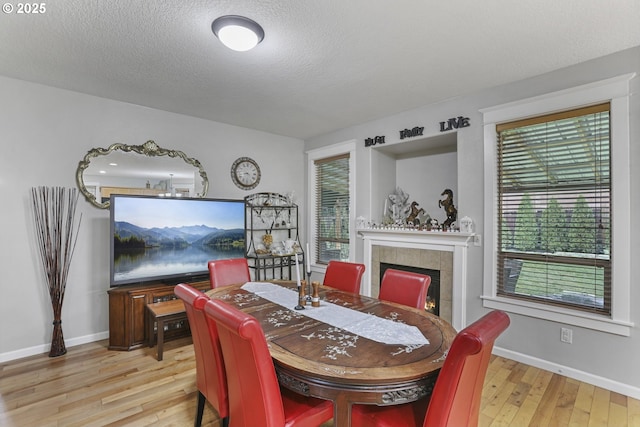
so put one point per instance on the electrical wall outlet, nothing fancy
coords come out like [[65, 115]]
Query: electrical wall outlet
[[566, 335]]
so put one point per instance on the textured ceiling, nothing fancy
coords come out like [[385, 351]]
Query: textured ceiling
[[323, 65]]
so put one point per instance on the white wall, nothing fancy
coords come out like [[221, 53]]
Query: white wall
[[45, 133], [424, 178], [596, 357]]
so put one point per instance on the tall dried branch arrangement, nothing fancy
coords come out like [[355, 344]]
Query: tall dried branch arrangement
[[54, 211]]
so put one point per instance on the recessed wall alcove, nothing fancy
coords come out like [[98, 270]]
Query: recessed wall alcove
[[421, 167]]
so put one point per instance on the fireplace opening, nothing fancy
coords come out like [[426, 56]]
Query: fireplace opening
[[432, 304]]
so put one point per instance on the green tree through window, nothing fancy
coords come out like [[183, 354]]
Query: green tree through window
[[526, 232], [554, 234], [582, 233]]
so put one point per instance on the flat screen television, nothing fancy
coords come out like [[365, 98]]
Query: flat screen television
[[171, 240]]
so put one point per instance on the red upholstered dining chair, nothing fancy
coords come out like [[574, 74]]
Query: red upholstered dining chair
[[225, 272], [345, 276], [456, 396], [255, 397], [211, 377], [405, 287]]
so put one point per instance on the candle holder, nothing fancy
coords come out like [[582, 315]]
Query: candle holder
[[301, 297], [309, 289], [301, 289]]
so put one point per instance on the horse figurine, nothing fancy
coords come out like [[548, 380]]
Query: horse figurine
[[449, 208], [413, 216]]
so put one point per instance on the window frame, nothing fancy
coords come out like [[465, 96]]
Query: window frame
[[521, 153], [616, 91], [343, 148]]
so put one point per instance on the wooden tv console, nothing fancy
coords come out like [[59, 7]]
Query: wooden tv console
[[128, 328]]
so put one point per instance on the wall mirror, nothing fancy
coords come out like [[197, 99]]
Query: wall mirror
[[145, 169]]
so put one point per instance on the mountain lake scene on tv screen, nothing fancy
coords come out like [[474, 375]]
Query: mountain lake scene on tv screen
[[154, 241]]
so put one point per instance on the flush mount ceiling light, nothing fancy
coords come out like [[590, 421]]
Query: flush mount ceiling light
[[237, 32]]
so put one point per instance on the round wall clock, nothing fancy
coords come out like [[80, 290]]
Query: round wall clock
[[245, 173]]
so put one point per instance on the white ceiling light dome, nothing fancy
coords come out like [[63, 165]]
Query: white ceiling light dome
[[237, 32]]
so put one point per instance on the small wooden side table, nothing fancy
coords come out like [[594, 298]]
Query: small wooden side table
[[160, 313]]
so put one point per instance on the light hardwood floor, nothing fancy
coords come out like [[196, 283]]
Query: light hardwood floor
[[92, 386]]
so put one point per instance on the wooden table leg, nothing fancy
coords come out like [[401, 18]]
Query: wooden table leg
[[160, 340], [341, 411], [151, 323]]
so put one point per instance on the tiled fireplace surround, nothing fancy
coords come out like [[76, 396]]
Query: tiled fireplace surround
[[443, 251], [422, 258]]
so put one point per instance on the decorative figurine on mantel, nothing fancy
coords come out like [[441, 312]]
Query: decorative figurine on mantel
[[449, 208], [466, 225], [416, 214], [399, 209]]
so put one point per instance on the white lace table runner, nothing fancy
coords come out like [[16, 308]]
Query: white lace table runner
[[365, 325]]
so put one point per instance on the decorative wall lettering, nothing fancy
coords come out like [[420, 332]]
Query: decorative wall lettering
[[409, 133], [368, 142], [455, 123]]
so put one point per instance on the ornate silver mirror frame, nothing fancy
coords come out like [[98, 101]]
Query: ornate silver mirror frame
[[139, 155]]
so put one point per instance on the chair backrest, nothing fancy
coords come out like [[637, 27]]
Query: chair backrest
[[405, 287], [211, 377], [225, 272], [254, 392], [455, 400], [345, 276]]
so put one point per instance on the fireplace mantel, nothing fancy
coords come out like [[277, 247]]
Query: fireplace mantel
[[455, 242], [449, 238]]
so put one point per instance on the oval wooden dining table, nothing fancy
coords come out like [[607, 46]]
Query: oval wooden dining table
[[316, 358]]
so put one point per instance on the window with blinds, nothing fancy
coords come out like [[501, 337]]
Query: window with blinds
[[554, 206], [332, 209]]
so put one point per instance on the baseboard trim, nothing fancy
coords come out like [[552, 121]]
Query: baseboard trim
[[606, 383], [44, 348]]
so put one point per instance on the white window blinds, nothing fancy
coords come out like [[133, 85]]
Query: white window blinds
[[554, 204], [332, 209]]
